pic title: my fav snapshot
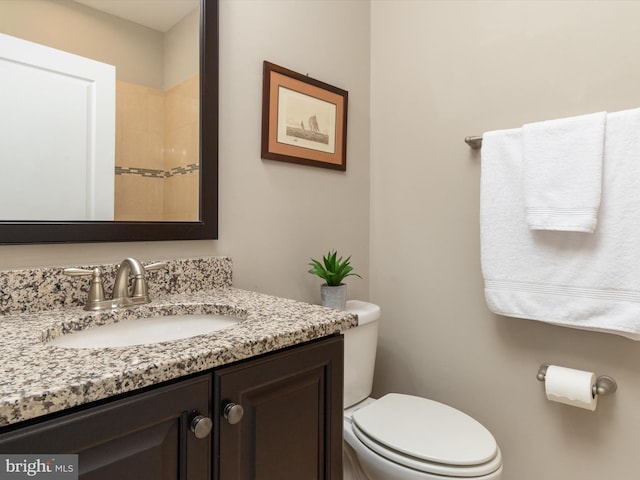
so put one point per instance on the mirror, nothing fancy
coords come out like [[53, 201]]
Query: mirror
[[202, 225]]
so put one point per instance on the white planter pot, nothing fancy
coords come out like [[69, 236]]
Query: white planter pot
[[334, 296]]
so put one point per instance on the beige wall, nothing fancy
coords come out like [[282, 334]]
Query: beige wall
[[142, 55], [273, 216], [182, 50], [137, 51], [442, 70]]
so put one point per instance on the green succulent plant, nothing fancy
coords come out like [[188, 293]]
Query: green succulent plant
[[333, 269]]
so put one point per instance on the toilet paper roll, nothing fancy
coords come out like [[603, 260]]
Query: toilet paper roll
[[571, 387]]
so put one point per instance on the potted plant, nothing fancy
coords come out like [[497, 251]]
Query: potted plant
[[333, 270]]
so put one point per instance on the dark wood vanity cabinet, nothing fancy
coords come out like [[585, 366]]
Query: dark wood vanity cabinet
[[146, 436], [291, 427]]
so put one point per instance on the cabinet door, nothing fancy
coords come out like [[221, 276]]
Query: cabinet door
[[142, 437], [292, 423]]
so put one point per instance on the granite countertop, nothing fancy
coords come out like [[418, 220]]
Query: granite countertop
[[37, 378]]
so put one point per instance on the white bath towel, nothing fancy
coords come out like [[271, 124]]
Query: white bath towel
[[563, 172], [567, 278]]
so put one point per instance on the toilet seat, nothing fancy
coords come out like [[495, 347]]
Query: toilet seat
[[427, 436]]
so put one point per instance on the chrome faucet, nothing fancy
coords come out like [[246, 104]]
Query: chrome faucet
[[123, 295]]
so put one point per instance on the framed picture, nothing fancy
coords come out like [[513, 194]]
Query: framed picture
[[303, 120]]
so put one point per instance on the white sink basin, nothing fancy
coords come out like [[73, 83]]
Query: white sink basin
[[144, 331]]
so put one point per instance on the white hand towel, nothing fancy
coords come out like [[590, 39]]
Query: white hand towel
[[566, 278], [563, 172]]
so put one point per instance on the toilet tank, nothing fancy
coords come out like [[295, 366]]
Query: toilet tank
[[360, 351]]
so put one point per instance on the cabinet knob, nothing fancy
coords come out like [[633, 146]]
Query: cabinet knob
[[233, 412], [201, 426]]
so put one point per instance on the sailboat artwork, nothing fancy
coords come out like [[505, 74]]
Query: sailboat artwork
[[308, 122], [311, 132]]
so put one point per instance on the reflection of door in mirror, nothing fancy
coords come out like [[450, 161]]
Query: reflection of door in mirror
[[47, 97], [157, 94]]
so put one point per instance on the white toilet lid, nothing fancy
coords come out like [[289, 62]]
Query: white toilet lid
[[427, 435]]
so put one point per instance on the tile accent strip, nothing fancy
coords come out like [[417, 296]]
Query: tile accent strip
[[142, 172], [183, 169], [154, 173]]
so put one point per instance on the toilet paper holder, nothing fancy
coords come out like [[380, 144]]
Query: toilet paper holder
[[605, 385]]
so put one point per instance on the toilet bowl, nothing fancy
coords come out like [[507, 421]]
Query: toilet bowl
[[400, 436]]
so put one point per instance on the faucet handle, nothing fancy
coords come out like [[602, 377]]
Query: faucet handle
[[140, 291], [155, 266], [140, 282], [77, 272], [96, 289]]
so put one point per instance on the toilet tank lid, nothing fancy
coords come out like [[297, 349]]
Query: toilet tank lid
[[367, 312]]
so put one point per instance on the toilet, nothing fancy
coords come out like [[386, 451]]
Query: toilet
[[404, 437]]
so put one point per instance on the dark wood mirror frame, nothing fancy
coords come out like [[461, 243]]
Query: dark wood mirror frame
[[207, 227]]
